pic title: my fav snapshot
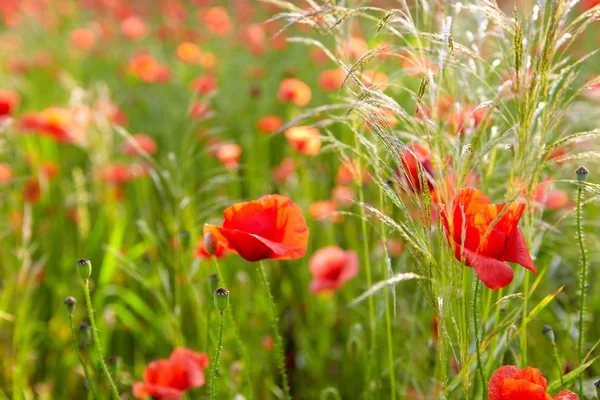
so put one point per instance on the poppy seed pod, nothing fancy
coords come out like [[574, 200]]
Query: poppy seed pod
[[70, 304], [221, 299], [185, 237], [210, 244], [582, 174], [547, 330], [84, 268], [85, 334], [213, 282], [597, 385]]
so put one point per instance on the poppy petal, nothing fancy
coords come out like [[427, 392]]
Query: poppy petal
[[142, 391], [516, 251], [252, 247], [566, 395], [494, 273], [495, 383], [522, 389]]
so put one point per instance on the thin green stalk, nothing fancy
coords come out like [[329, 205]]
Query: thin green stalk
[[477, 341], [582, 288], [236, 334], [558, 366], [208, 314], [88, 303], [215, 365], [388, 318], [88, 378], [276, 334]]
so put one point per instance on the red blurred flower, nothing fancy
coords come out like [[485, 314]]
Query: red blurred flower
[[355, 48], [133, 28], [217, 21], [140, 141], [200, 110], [284, 171], [374, 79], [417, 169], [304, 139], [83, 39], [148, 69], [189, 53], [331, 79], [343, 195], [348, 173], [269, 124], [6, 172], [331, 267], [294, 91], [60, 124], [229, 155], [254, 37], [512, 383], [467, 117], [9, 100], [204, 84], [270, 227], [325, 211], [168, 379], [489, 241], [32, 191]]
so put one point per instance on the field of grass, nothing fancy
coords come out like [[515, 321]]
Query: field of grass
[[307, 199]]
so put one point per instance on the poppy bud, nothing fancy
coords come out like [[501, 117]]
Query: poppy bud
[[582, 174], [509, 358], [114, 363], [330, 393], [84, 268], [184, 238], [547, 330], [85, 334], [213, 282], [221, 299], [597, 384], [354, 345], [210, 244], [70, 304]]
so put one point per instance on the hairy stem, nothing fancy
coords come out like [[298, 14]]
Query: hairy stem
[[88, 303], [582, 288], [215, 365], [477, 341], [88, 379], [277, 336]]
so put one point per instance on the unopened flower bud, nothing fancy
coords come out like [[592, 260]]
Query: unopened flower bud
[[582, 174], [213, 282], [597, 384], [84, 268], [547, 330], [221, 299], [210, 244], [85, 334], [354, 345], [184, 238], [70, 304]]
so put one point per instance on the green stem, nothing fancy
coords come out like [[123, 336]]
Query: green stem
[[277, 336], [88, 303], [477, 341], [388, 317], [236, 334], [557, 359], [88, 379], [215, 365], [208, 314], [582, 288]]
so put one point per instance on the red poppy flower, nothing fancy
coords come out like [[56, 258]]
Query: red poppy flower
[[331, 267], [217, 21], [325, 211], [416, 167], [204, 84], [168, 379], [284, 171], [189, 53], [6, 172], [331, 79], [140, 141], [512, 383], [294, 91], [269, 124], [270, 227], [133, 28], [9, 100], [83, 39], [229, 155], [489, 241], [304, 139]]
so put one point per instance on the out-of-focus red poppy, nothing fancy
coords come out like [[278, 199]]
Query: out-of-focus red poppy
[[112, 111], [374, 79], [270, 227], [416, 66], [444, 105], [417, 170], [189, 53], [318, 56], [511, 383], [484, 236], [148, 69], [331, 79], [83, 39], [304, 139], [6, 172], [253, 35], [592, 92], [269, 124], [354, 48], [395, 247], [325, 211], [229, 155], [588, 4], [122, 173], [348, 173], [204, 85], [384, 117], [268, 343], [343, 195], [294, 91], [468, 116], [9, 101], [200, 110], [32, 191], [140, 143], [217, 21], [60, 124], [331, 267], [208, 60], [49, 169], [284, 171], [133, 28], [168, 379]]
